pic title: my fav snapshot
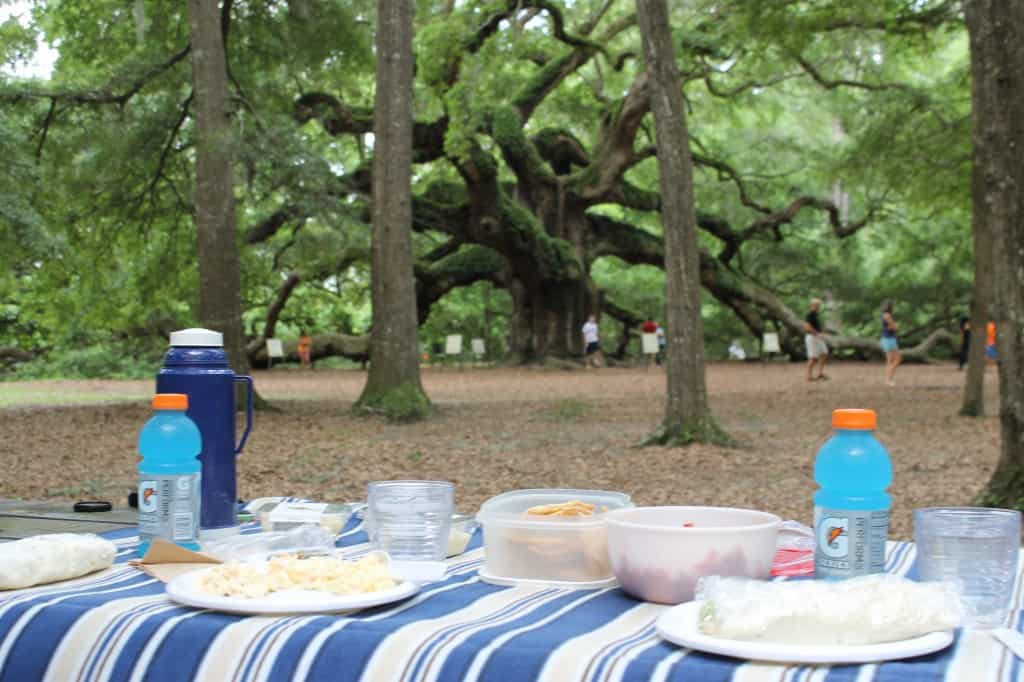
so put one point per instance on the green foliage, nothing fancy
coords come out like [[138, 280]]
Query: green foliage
[[92, 362], [96, 233], [480, 311]]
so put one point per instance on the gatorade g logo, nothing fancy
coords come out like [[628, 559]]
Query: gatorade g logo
[[147, 496], [833, 537]]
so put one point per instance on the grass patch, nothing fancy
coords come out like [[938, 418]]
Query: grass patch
[[13, 395], [569, 410]]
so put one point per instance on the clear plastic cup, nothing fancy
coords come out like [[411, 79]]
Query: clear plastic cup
[[976, 547], [410, 520]]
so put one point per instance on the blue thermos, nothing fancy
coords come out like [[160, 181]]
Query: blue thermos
[[197, 365]]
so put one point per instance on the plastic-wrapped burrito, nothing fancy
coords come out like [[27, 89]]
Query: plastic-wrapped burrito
[[867, 610], [49, 558]]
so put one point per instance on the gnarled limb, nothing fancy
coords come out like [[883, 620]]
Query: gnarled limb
[[338, 118], [269, 226], [327, 345], [468, 265], [614, 155]]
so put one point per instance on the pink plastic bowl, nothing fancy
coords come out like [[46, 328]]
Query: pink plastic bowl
[[658, 559]]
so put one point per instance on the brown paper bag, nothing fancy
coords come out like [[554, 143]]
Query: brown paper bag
[[166, 560]]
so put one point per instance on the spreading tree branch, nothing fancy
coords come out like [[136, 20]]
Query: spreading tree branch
[[108, 94], [832, 84]]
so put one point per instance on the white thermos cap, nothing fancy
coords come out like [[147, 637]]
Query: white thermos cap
[[197, 337]]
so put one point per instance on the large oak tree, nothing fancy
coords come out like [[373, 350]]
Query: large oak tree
[[220, 279], [687, 415], [393, 384], [997, 68]]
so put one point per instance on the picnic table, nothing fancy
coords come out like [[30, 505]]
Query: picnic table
[[119, 625]]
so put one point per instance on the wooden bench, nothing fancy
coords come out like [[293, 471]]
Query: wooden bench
[[22, 519]]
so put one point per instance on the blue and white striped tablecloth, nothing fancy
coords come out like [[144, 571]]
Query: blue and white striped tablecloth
[[119, 625]]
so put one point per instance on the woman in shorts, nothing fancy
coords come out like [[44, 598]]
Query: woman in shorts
[[305, 348], [890, 344]]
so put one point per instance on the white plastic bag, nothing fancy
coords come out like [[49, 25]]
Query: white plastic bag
[[48, 558], [306, 540], [866, 610]]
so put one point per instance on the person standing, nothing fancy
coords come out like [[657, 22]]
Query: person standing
[[650, 327], [965, 340], [305, 350], [991, 354], [659, 332], [817, 349], [890, 344], [592, 344]]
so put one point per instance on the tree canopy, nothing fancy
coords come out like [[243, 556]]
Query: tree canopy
[[830, 140]]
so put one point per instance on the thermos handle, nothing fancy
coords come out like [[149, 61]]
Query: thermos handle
[[248, 411]]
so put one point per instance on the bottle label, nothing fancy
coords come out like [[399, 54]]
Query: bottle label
[[169, 507], [849, 542]]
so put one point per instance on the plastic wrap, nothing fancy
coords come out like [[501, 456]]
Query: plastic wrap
[[866, 610], [305, 540], [794, 550], [48, 558]]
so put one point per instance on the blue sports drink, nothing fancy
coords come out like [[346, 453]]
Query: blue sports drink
[[851, 507], [169, 475]]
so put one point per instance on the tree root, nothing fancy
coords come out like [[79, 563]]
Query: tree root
[[1005, 489], [680, 434], [404, 403]]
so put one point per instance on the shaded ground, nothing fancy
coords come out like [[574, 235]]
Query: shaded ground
[[498, 430]]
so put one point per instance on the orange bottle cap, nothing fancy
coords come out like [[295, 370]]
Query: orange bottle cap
[[854, 419], [170, 401]]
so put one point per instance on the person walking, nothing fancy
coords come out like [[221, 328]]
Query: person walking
[[965, 340], [305, 349], [890, 344], [817, 349], [592, 356]]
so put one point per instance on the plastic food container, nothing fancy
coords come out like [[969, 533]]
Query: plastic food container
[[277, 515], [572, 549], [658, 556]]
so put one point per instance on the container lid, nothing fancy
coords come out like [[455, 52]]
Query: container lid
[[509, 508], [197, 337], [170, 401], [854, 419]]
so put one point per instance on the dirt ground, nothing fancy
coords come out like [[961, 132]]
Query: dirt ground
[[503, 429]]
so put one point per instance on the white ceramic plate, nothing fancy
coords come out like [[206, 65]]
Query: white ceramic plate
[[185, 590], [488, 577], [679, 626]]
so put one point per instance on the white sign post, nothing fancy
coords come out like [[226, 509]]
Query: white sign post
[[275, 349], [453, 344], [770, 344]]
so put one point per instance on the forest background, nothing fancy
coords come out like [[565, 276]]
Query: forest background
[[831, 145]]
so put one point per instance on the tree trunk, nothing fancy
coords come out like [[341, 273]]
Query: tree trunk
[[996, 30], [393, 385], [687, 416], [220, 281], [547, 321], [974, 385]]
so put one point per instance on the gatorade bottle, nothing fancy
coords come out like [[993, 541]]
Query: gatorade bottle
[[851, 507], [169, 475]]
